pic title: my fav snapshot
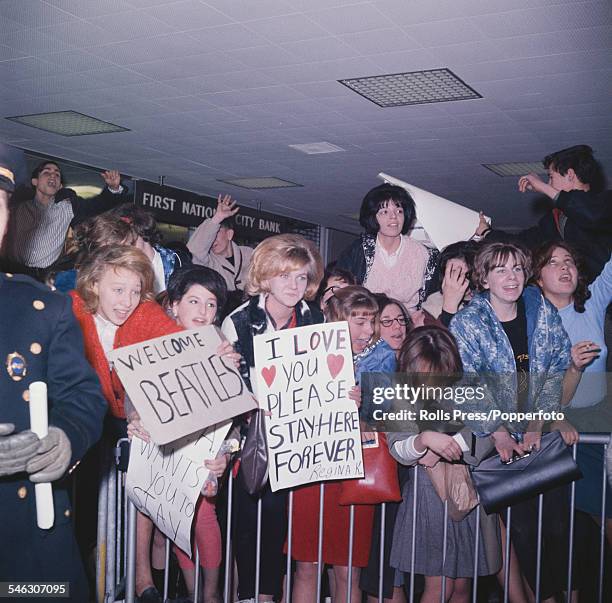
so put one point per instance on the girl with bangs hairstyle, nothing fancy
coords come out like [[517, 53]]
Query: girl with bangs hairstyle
[[432, 349], [559, 272], [195, 297], [359, 308], [512, 333], [284, 273], [114, 305], [385, 259]]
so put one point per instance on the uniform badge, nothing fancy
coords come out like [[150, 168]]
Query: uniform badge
[[16, 366]]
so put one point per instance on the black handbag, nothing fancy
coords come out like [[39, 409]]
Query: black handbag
[[501, 485], [254, 456]]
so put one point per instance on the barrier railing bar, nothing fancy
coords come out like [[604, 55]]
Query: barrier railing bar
[[320, 539], [381, 558], [119, 522], [229, 566], [507, 564], [570, 556], [196, 576], [166, 567], [349, 578], [102, 528], [130, 576], [539, 549], [476, 553], [444, 544], [258, 551], [413, 541], [602, 519], [111, 528], [289, 545]]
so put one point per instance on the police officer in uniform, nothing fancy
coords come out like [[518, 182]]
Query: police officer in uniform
[[40, 340]]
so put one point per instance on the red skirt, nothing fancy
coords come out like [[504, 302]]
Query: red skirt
[[335, 527]]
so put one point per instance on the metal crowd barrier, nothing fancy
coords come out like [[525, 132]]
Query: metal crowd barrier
[[117, 541]]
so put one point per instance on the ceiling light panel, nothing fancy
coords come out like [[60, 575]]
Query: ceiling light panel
[[515, 169], [67, 123], [260, 183], [316, 148], [413, 88]]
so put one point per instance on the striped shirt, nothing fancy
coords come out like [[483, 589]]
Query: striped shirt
[[37, 232]]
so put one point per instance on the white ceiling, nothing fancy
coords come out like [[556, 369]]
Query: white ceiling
[[218, 89]]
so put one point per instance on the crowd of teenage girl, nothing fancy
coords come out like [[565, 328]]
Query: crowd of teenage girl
[[488, 305]]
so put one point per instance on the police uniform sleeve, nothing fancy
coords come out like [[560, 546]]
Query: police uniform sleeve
[[75, 398]]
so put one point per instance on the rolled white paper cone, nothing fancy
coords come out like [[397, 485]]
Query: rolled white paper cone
[[39, 424], [444, 221]]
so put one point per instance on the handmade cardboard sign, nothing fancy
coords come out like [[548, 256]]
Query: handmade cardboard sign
[[304, 376], [164, 482], [444, 221], [179, 385]]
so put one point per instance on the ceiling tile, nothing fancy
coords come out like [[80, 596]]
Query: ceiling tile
[[226, 37], [148, 49], [6, 53], [196, 65], [85, 10], [247, 10], [322, 90], [453, 31], [545, 19], [33, 13], [131, 26], [264, 56], [253, 97], [381, 40], [224, 82], [324, 71], [287, 28], [189, 14], [81, 35], [321, 49], [562, 63], [405, 61], [350, 19], [75, 61], [7, 26], [34, 42]]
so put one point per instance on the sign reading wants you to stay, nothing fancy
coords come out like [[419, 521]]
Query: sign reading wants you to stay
[[303, 379], [179, 385], [164, 482]]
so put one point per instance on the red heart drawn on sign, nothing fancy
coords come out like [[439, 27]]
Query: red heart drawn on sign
[[335, 362], [268, 373]]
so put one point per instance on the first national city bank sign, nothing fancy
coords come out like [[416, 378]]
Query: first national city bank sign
[[184, 208]]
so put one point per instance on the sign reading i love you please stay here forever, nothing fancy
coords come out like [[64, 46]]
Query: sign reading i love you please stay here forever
[[304, 376]]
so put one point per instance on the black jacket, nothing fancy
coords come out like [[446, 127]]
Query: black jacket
[[588, 228]]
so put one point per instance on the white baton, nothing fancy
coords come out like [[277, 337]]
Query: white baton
[[39, 424]]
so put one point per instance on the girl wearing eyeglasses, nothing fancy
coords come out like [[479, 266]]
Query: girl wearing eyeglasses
[[394, 322]]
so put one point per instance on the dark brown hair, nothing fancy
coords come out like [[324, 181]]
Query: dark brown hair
[[543, 255], [429, 349]]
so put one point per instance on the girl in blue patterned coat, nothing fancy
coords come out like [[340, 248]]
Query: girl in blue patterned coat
[[514, 339]]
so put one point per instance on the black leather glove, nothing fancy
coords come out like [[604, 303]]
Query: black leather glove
[[16, 449], [52, 458]]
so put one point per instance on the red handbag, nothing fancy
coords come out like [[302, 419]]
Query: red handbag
[[380, 483]]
